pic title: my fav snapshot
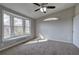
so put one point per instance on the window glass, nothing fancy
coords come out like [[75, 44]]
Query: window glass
[[6, 23], [18, 26], [27, 27]]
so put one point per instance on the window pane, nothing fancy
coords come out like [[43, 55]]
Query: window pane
[[18, 27], [6, 22], [27, 27]]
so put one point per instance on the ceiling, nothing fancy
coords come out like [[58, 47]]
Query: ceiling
[[28, 8]]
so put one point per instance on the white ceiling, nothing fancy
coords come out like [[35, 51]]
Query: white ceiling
[[28, 8]]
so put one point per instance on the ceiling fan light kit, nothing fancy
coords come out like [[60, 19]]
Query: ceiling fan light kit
[[43, 7]]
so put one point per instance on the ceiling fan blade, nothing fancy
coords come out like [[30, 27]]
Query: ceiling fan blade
[[36, 4], [44, 3], [50, 7], [37, 9]]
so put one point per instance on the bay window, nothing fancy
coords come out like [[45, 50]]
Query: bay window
[[14, 26]]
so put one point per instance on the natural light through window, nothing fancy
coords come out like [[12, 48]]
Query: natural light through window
[[50, 19], [18, 26], [27, 27], [7, 30]]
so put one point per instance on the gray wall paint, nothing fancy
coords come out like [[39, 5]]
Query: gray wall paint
[[76, 9], [0, 25], [60, 30], [33, 28], [76, 27]]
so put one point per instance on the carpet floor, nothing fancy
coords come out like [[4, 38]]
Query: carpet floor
[[41, 47]]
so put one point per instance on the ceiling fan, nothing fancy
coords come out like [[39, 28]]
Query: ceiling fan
[[43, 7]]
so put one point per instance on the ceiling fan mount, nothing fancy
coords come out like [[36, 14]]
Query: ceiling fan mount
[[43, 7]]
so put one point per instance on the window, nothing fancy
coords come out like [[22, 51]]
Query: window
[[14, 25], [18, 26], [27, 27], [6, 21]]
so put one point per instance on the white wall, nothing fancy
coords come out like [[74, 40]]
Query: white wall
[[60, 30], [76, 27]]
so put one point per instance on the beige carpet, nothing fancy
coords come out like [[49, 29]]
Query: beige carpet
[[42, 48]]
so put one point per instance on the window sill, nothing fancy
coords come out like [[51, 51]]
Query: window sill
[[15, 38], [15, 41]]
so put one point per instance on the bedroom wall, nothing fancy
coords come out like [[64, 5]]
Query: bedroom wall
[[76, 27], [0, 25], [59, 30]]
